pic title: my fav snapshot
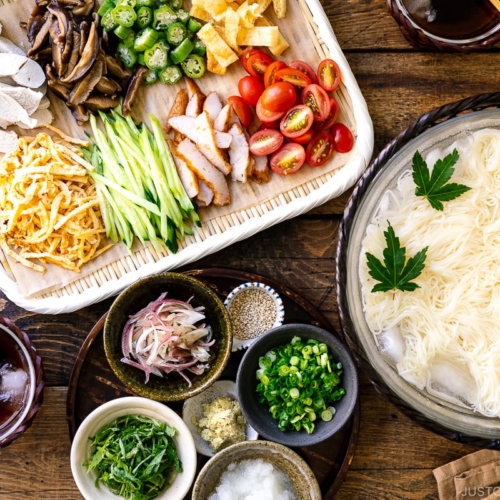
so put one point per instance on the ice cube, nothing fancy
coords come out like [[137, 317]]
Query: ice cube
[[452, 382], [392, 345], [422, 9], [12, 384]]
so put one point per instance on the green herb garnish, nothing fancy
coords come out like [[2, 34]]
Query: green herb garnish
[[299, 381], [134, 457], [395, 273], [434, 186]]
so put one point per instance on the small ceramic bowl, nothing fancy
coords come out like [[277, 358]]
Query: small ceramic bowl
[[238, 341], [257, 414], [283, 459], [81, 448], [11, 346], [193, 408], [171, 387]]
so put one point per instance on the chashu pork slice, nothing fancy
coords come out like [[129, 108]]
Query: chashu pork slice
[[188, 178], [205, 139], [261, 172], [185, 126], [178, 108], [196, 98], [205, 196], [205, 171], [212, 106], [239, 154], [12, 112], [221, 123]]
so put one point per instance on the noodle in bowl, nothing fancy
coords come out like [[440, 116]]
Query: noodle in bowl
[[437, 347]]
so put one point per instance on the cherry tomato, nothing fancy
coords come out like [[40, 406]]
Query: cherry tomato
[[267, 116], [246, 54], [328, 75], [288, 159], [342, 138], [304, 138], [257, 64], [320, 149], [297, 121], [250, 89], [274, 124], [279, 97], [293, 76], [270, 73], [266, 141], [306, 69], [318, 100], [331, 118], [242, 109]]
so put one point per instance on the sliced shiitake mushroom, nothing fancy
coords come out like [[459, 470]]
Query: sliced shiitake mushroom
[[107, 86], [85, 86], [101, 102], [59, 89], [133, 89]]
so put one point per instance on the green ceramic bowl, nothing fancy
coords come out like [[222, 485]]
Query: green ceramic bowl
[[171, 387]]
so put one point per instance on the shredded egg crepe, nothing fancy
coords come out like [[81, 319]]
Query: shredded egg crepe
[[49, 209], [449, 328]]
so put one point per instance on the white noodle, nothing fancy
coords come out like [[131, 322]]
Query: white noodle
[[455, 316]]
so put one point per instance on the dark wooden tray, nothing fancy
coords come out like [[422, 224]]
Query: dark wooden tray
[[92, 381]]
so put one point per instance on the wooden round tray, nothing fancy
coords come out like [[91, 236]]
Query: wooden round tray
[[92, 381]]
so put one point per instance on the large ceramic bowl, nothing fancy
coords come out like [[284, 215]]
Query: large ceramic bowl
[[81, 448], [283, 459], [171, 387], [456, 421], [257, 414]]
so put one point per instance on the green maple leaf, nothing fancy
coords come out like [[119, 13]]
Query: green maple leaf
[[434, 186], [395, 273]]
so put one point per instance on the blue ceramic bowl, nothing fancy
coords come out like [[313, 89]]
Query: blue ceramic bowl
[[257, 414]]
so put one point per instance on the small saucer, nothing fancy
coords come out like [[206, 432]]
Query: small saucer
[[193, 408], [243, 343]]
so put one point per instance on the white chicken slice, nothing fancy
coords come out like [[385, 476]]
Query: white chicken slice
[[10, 64], [205, 171], [205, 139], [212, 105], [11, 111], [205, 196], [41, 116], [239, 154], [188, 178], [8, 47], [30, 75], [8, 141], [185, 126], [27, 98]]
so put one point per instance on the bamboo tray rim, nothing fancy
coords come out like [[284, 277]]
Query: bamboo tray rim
[[220, 232]]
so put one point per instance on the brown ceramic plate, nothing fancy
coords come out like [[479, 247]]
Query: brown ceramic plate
[[92, 381]]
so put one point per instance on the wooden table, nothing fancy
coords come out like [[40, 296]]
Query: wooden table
[[394, 457]]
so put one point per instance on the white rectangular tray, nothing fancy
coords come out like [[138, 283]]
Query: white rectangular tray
[[221, 232]]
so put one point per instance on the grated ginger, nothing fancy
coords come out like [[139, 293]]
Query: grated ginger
[[222, 423]]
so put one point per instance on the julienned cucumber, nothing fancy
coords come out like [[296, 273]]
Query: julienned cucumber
[[140, 191]]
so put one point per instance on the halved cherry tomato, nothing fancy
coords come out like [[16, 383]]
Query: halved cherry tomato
[[274, 124], [297, 121], [305, 68], [320, 149], [242, 109], [270, 73], [251, 89], [331, 118], [304, 138], [267, 116], [246, 54], [342, 138], [288, 159], [328, 74], [293, 76], [257, 64], [279, 96], [318, 100], [266, 141]]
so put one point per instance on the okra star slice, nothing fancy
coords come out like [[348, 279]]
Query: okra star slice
[[124, 15], [156, 57]]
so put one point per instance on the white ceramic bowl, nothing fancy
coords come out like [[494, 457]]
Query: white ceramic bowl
[[193, 408], [255, 285], [81, 448]]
